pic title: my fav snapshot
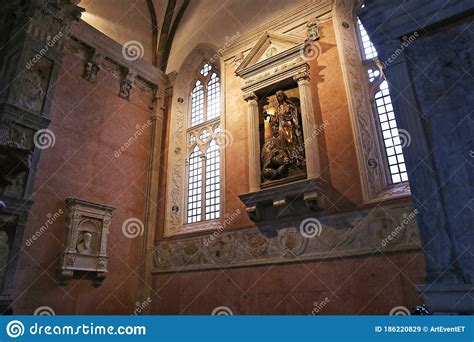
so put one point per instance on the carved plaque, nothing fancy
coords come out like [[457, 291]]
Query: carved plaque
[[87, 227]]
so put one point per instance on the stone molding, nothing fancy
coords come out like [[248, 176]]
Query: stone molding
[[374, 178], [362, 232], [175, 223], [284, 23], [112, 50]]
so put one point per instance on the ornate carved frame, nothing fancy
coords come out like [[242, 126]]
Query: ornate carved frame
[[374, 177], [97, 215], [178, 144]]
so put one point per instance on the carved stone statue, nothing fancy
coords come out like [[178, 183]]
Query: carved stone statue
[[84, 245], [285, 149]]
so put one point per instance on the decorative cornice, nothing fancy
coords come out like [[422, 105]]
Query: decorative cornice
[[93, 38], [250, 96], [313, 8], [267, 37]]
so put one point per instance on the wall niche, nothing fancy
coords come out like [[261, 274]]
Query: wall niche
[[85, 256]]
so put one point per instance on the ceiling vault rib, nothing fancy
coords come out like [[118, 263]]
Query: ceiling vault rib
[[173, 30], [165, 28], [154, 23]]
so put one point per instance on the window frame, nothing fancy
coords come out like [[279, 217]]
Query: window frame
[[210, 125], [373, 89]]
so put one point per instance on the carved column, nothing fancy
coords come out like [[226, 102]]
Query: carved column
[[32, 34], [434, 107], [152, 194], [254, 145], [309, 126]]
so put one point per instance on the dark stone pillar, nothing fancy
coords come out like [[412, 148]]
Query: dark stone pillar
[[426, 47], [31, 37]]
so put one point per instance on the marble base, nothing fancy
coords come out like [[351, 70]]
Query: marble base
[[288, 200], [448, 298]]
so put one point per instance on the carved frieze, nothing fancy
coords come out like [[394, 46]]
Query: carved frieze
[[390, 228], [31, 87]]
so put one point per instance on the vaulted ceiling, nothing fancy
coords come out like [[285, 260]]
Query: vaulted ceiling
[[170, 29]]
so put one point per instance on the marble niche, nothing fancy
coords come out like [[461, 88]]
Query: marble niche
[[87, 227], [284, 166]]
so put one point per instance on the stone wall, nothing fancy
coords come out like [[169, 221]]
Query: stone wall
[[429, 77], [97, 156], [263, 272]]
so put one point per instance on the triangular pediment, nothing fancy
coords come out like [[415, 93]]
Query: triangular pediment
[[269, 45]]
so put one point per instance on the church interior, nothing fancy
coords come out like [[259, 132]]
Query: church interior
[[236, 157]]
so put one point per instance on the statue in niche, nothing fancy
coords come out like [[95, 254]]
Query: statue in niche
[[285, 150], [84, 244]]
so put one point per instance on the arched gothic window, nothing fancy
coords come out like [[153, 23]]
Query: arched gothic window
[[204, 157], [389, 132]]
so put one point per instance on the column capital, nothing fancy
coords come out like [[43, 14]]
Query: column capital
[[302, 76], [250, 97]]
